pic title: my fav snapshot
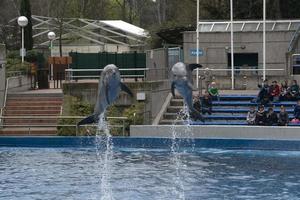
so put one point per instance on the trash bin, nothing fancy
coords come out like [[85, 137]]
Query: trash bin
[[42, 78]]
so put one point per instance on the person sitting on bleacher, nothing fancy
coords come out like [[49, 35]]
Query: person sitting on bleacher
[[251, 115], [274, 92], [283, 91], [297, 111], [197, 103], [272, 119], [206, 103], [214, 91], [261, 116], [263, 96], [293, 91], [283, 117]]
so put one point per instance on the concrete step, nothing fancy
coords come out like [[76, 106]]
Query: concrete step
[[47, 131], [29, 121], [33, 102], [53, 112], [44, 107]]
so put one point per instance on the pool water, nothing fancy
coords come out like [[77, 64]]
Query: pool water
[[74, 173]]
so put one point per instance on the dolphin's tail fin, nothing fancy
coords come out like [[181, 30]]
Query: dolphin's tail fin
[[88, 120], [193, 66]]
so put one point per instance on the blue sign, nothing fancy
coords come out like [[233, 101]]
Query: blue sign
[[193, 52]]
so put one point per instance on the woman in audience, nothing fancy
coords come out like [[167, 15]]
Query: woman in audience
[[261, 117], [263, 96], [272, 119], [274, 92], [206, 103], [214, 91], [283, 117], [251, 116], [283, 91]]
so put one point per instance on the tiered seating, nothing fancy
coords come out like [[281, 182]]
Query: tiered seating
[[230, 110]]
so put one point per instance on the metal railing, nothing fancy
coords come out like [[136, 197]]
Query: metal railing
[[70, 73], [30, 126]]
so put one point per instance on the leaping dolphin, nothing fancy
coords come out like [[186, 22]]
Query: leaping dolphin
[[183, 84], [108, 90]]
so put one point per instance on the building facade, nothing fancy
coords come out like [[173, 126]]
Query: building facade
[[282, 49]]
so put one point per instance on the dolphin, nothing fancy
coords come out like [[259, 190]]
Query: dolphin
[[183, 84], [109, 88]]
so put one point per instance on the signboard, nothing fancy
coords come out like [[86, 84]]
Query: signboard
[[193, 52], [22, 52]]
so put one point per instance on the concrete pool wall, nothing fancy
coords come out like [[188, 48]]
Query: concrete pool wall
[[218, 132]]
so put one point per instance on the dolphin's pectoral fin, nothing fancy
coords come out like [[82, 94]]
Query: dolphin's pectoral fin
[[173, 89], [107, 95], [88, 120], [126, 89], [194, 66]]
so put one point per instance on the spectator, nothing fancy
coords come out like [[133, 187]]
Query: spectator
[[283, 117], [283, 91], [196, 114], [294, 90], [206, 103], [272, 119], [263, 96], [197, 103], [251, 116], [260, 118], [274, 92], [213, 91], [297, 110]]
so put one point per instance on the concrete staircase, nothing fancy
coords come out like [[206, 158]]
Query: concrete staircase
[[32, 113], [230, 110]]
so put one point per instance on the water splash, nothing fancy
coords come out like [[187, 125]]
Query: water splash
[[104, 145]]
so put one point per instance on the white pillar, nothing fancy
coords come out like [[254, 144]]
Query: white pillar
[[197, 45], [264, 39], [22, 50], [51, 54], [231, 44]]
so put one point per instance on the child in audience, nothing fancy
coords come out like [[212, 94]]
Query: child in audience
[[293, 90], [206, 103], [283, 117], [272, 119], [251, 116], [274, 92], [214, 91], [261, 117]]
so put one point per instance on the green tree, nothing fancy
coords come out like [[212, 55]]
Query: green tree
[[25, 10]]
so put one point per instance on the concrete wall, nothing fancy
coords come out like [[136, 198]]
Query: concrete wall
[[155, 91], [157, 62], [2, 73], [216, 46], [217, 132]]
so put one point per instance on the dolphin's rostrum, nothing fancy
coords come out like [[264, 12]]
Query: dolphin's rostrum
[[108, 90], [183, 84]]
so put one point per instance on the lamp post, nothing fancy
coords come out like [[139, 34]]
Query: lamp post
[[51, 37], [22, 21]]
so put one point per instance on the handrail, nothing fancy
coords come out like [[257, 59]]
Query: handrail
[[210, 69], [70, 76], [54, 117]]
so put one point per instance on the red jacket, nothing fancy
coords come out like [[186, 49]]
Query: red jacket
[[275, 90]]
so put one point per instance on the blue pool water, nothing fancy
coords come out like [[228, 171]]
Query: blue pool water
[[137, 173]]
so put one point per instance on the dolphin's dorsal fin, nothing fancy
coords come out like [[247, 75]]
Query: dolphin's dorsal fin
[[193, 66], [126, 89]]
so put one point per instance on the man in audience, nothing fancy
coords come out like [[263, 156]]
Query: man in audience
[[206, 103], [263, 96], [261, 117], [272, 119], [297, 110], [283, 117], [274, 92], [251, 115]]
